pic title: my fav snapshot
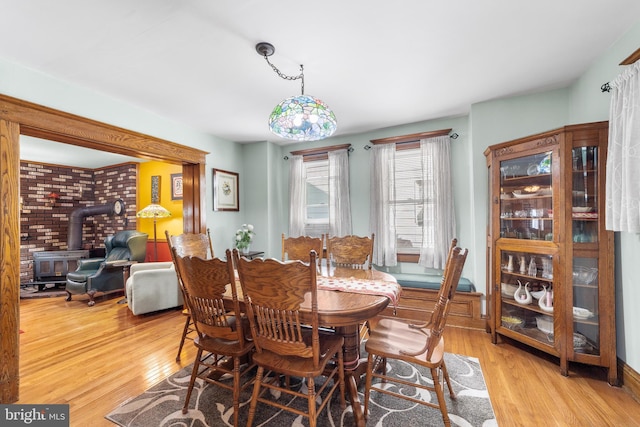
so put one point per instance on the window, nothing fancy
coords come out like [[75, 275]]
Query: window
[[319, 192], [412, 212], [316, 218], [409, 200]]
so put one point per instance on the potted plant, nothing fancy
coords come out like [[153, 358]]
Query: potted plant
[[244, 236]]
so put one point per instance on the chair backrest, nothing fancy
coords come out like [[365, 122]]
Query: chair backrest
[[451, 276], [128, 245], [195, 244], [204, 284], [350, 251], [299, 247], [273, 293]]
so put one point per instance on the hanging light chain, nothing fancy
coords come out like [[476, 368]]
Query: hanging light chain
[[284, 76]]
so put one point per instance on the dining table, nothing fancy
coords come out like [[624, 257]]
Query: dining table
[[346, 299]]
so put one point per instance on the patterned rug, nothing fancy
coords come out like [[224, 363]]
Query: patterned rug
[[211, 406]]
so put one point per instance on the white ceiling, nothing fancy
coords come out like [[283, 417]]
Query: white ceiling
[[376, 63]]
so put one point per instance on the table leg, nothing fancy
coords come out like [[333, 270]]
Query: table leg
[[125, 276], [353, 369]]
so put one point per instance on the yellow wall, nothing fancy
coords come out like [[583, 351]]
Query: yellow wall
[[174, 222]]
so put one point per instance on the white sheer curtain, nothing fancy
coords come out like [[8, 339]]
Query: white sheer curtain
[[438, 224], [438, 208], [297, 196], [623, 173], [339, 200], [381, 215]]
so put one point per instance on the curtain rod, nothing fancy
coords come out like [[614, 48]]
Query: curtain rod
[[405, 139], [310, 152]]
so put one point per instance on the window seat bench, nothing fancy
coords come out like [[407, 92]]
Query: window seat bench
[[419, 294]]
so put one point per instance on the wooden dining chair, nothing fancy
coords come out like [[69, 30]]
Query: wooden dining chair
[[351, 251], [219, 334], [195, 244], [285, 344], [421, 345], [299, 247]]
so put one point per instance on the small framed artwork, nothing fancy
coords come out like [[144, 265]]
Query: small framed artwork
[[155, 189], [225, 191], [176, 186]]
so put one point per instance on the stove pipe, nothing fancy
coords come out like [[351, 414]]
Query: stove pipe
[[76, 219]]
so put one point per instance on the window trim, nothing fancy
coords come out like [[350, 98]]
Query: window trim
[[322, 153], [411, 140]]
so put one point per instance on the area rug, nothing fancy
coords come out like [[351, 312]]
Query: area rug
[[161, 405]]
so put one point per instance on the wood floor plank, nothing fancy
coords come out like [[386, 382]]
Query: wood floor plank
[[96, 358]]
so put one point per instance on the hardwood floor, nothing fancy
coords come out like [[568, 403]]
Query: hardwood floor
[[95, 358]]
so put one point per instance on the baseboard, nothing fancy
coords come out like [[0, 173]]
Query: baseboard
[[630, 380], [416, 304]]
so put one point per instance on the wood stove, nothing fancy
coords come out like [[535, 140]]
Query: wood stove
[[51, 267]]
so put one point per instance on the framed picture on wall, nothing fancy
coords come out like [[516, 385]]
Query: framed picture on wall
[[155, 189], [176, 186], [225, 191]]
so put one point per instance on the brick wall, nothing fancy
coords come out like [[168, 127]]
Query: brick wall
[[44, 225]]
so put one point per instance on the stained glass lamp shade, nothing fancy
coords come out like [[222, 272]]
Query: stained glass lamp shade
[[302, 118]]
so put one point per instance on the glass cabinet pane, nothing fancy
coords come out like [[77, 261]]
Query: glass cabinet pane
[[586, 330], [585, 194], [526, 197], [526, 290]]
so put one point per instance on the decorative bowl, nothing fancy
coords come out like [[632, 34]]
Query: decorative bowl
[[582, 209], [579, 341], [545, 324], [511, 322], [523, 195], [508, 290], [584, 275], [547, 191], [537, 294], [581, 313]]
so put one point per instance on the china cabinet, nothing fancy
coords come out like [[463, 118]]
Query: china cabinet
[[550, 279]]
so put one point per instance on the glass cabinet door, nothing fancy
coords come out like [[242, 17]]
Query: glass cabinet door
[[586, 328], [526, 294], [526, 197], [585, 195]]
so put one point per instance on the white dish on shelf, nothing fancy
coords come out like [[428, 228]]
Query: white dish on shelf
[[581, 313], [545, 324], [508, 290], [582, 209], [537, 294], [520, 195]]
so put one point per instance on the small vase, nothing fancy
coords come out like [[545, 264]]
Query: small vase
[[523, 265], [533, 268], [510, 263], [246, 249]]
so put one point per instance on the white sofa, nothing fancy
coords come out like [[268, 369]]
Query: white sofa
[[153, 286]]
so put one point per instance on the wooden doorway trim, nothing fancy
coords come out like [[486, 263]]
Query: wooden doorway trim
[[22, 117]]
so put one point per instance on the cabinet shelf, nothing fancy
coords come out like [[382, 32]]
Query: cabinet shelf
[[530, 307], [526, 276]]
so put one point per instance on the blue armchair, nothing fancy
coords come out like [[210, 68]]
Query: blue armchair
[[106, 274]]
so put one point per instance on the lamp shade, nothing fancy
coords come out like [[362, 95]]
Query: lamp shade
[[154, 210], [303, 118]]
